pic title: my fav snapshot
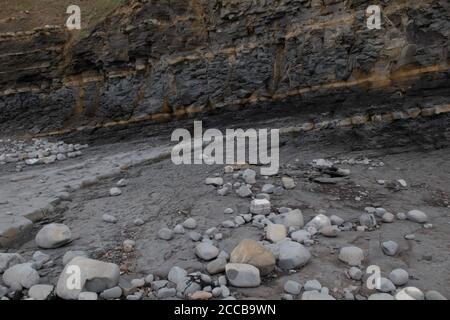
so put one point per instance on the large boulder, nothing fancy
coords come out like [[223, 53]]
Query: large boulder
[[253, 253], [83, 274], [53, 235]]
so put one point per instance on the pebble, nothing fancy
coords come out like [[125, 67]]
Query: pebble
[[88, 296], [138, 222], [319, 221], [353, 256], [228, 169], [201, 295], [276, 232], [389, 247], [176, 274], [388, 217], [165, 293], [417, 216], [179, 229], [216, 292], [300, 236], [355, 273], [40, 291], [401, 216], [410, 237], [110, 294], [268, 188], [330, 231], [53, 235], [253, 253], [336, 221], [292, 287], [195, 236], [228, 224], [165, 234], [244, 191], [312, 285], [260, 206], [249, 176], [399, 277], [114, 192], [122, 183], [386, 285], [242, 275], [367, 220], [109, 218], [316, 295], [21, 276], [206, 251], [409, 293], [228, 211], [218, 181], [292, 255], [225, 292], [190, 223], [293, 218], [434, 295], [216, 266], [380, 296], [288, 183]]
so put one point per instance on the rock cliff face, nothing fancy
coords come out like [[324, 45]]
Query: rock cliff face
[[158, 60]]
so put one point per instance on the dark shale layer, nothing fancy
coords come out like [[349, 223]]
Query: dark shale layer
[[161, 60]]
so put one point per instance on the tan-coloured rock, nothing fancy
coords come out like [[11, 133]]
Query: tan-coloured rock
[[253, 253]]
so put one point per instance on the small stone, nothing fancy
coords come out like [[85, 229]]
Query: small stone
[[40, 291], [312, 285], [293, 218], [88, 296], [409, 293], [410, 237], [53, 235], [399, 277], [300, 236], [288, 183], [402, 183], [218, 181], [251, 252], [318, 222], [417, 216], [330, 231], [190, 223], [249, 176], [228, 169], [195, 236], [128, 245], [179, 229], [316, 295], [228, 211], [389, 247], [380, 296], [434, 295], [401, 216], [217, 292], [228, 224], [69, 255], [165, 293], [386, 285], [428, 226], [109, 218], [165, 234], [216, 266], [336, 221], [286, 296], [149, 279], [388, 217], [176, 274], [276, 232], [138, 222], [242, 275], [353, 256], [355, 273], [225, 292], [201, 295], [292, 287], [20, 276], [268, 188], [367, 220], [113, 293], [206, 251], [114, 192], [244, 191], [260, 206], [239, 221], [122, 183], [292, 255]]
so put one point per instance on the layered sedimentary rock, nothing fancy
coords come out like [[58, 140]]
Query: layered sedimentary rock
[[158, 60]]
